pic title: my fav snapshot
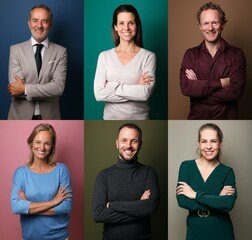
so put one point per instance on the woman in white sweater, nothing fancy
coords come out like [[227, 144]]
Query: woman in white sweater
[[125, 75]]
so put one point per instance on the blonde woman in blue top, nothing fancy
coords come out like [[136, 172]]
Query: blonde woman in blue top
[[41, 190]]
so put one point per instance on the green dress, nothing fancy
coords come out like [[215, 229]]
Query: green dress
[[215, 227]]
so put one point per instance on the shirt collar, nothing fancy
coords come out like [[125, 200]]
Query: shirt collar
[[45, 42], [223, 46]]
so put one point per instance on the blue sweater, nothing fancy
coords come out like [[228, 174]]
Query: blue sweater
[[41, 188]]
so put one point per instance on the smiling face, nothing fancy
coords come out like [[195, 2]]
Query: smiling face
[[209, 144], [210, 25], [40, 23], [126, 26], [128, 143], [41, 145]]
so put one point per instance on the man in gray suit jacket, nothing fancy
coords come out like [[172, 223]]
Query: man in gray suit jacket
[[35, 92]]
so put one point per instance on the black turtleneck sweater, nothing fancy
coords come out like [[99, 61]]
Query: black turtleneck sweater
[[122, 185]]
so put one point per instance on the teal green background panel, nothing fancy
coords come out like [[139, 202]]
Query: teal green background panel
[[98, 37]]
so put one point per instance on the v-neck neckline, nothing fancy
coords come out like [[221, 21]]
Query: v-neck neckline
[[196, 165], [129, 62]]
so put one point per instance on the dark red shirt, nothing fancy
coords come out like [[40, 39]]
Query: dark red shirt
[[208, 99]]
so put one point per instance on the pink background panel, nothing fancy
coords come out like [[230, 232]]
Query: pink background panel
[[14, 151]]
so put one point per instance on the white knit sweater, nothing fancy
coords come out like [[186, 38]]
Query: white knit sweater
[[124, 98]]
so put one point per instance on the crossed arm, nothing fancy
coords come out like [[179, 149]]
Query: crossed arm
[[27, 197], [118, 91], [146, 195], [186, 190], [191, 75], [16, 88], [46, 208], [52, 85], [124, 211], [215, 90], [193, 200]]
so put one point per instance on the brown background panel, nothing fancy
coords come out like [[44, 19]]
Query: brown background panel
[[184, 33]]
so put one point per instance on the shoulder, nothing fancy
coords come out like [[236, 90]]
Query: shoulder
[[20, 171], [62, 168], [147, 56], [56, 46], [107, 171], [226, 168], [232, 49], [108, 52], [106, 56], [237, 52], [193, 50], [187, 163], [21, 45], [105, 174], [147, 52], [147, 168], [21, 168], [196, 49], [61, 165], [225, 171]]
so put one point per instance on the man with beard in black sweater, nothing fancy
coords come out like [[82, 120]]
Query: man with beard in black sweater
[[127, 193]]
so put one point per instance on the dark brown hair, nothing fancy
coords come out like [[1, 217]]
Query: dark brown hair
[[132, 126], [130, 9]]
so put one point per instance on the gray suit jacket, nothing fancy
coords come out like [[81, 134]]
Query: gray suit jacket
[[45, 88]]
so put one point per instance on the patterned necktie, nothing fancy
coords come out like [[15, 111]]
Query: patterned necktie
[[38, 57]]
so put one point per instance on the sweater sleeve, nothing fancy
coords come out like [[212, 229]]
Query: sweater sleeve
[[101, 213], [101, 92], [141, 208], [183, 201], [199, 87], [220, 203], [18, 206], [137, 92], [65, 206]]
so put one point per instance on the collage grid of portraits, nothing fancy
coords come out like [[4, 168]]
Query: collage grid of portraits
[[137, 125]]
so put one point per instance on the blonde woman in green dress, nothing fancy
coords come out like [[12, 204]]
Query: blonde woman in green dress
[[207, 188]]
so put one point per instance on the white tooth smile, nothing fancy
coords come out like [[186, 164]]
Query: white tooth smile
[[41, 152]]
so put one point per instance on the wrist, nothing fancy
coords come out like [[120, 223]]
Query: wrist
[[52, 203], [194, 195], [225, 82]]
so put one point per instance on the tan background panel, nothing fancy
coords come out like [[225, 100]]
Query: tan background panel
[[236, 153]]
